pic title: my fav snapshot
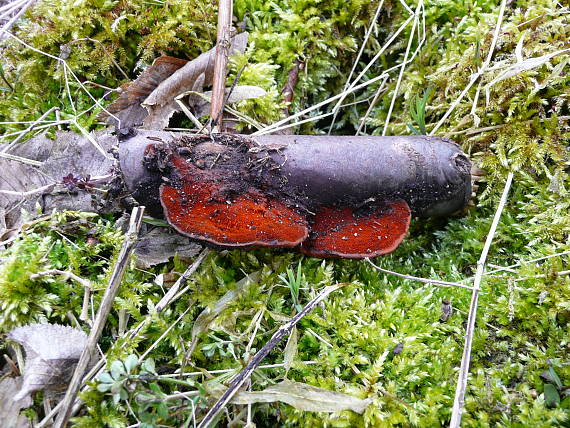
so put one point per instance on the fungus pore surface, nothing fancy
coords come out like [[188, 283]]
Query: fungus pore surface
[[196, 206], [340, 232]]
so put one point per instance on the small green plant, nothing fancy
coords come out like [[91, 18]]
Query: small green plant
[[293, 282], [418, 112]]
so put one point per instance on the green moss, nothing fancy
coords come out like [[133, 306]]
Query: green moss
[[524, 315]]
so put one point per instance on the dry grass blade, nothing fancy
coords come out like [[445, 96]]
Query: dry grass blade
[[28, 129], [424, 280], [476, 75], [101, 318], [464, 370], [244, 375], [304, 397], [415, 25]]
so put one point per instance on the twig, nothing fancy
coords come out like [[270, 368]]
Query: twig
[[401, 74], [415, 278], [244, 375], [465, 360], [220, 65], [101, 318], [28, 129], [479, 72]]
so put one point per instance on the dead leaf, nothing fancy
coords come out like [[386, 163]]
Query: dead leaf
[[239, 93], [10, 407], [127, 108], [304, 397], [522, 66], [69, 153], [290, 350], [160, 103], [52, 352], [160, 244]]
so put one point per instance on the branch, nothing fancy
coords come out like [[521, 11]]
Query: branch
[[222, 53]]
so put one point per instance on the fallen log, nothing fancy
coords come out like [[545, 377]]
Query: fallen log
[[330, 196], [346, 197]]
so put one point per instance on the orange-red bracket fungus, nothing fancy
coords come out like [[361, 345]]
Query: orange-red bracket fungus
[[348, 197]]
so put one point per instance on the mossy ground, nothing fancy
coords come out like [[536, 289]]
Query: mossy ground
[[523, 318]]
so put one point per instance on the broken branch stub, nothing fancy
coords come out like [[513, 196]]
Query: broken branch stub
[[346, 197]]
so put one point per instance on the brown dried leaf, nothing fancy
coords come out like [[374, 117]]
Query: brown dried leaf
[[160, 102], [10, 406], [128, 106], [52, 352], [239, 93], [304, 397], [158, 245]]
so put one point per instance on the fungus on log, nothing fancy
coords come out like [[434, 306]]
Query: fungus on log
[[343, 233], [348, 197], [195, 205]]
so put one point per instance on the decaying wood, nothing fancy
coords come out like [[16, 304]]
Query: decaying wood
[[335, 169]]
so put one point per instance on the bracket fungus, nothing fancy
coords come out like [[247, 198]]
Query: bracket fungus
[[349, 197]]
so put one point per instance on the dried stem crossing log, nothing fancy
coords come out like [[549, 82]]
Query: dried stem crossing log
[[222, 53]]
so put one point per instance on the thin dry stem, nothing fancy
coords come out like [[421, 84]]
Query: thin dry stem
[[357, 59], [29, 129], [220, 65], [415, 278], [106, 304], [465, 360], [479, 72], [401, 74], [245, 374]]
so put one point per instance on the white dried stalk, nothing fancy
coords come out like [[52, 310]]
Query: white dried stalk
[[465, 360]]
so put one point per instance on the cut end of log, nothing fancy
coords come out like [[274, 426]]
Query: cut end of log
[[344, 233]]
